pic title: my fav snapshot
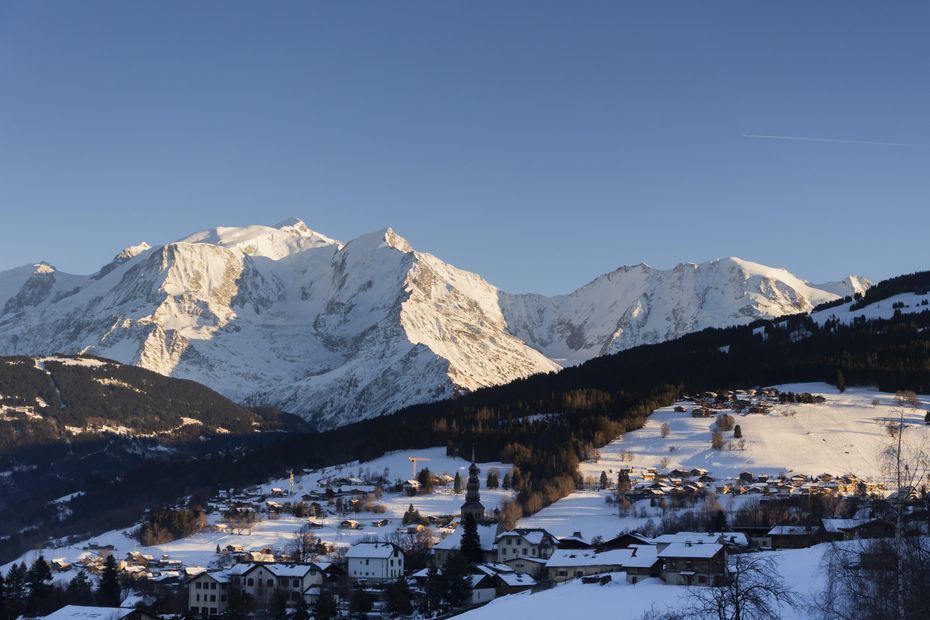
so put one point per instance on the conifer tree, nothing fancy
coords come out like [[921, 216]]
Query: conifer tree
[[471, 544], [457, 483], [604, 481], [840, 381], [325, 607], [80, 591], [39, 580], [16, 589], [507, 481], [737, 432], [302, 612], [108, 592]]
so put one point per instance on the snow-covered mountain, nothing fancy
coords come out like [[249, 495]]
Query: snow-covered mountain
[[642, 305], [337, 332]]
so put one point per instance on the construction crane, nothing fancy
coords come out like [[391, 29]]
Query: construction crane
[[414, 459]]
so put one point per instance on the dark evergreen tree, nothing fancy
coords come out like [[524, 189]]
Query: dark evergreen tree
[[108, 592], [457, 591], [39, 581], [840, 381], [425, 478], [604, 481], [302, 612], [399, 597], [720, 521], [507, 481], [435, 586], [493, 480], [3, 609], [325, 607], [16, 589], [80, 591], [457, 483], [737, 432], [623, 481], [360, 603], [927, 418], [471, 543]]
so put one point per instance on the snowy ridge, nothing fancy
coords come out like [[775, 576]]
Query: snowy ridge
[[639, 305], [285, 316]]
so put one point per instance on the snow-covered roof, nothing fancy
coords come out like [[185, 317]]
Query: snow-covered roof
[[687, 537], [685, 550], [735, 538], [516, 579], [836, 526], [486, 536], [789, 530], [643, 556], [288, 570], [533, 536], [585, 557], [83, 612], [371, 550]]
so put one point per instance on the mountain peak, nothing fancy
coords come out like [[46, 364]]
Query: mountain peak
[[395, 241], [43, 267], [131, 251]]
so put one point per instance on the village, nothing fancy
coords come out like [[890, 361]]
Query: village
[[345, 552]]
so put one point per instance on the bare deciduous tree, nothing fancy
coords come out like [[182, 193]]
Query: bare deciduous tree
[[754, 588]]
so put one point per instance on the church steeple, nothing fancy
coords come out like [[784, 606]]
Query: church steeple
[[472, 503]]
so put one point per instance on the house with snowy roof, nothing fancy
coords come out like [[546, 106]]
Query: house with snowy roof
[[532, 542], [86, 612], [687, 563], [373, 561], [794, 536]]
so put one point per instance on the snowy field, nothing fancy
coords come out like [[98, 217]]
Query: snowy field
[[200, 549], [846, 434], [801, 569]]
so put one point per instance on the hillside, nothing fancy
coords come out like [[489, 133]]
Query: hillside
[[72, 421], [340, 332]]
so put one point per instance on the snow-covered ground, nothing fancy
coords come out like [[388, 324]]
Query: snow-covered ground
[[801, 569], [200, 549], [846, 434]]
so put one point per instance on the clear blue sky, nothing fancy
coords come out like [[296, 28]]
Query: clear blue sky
[[539, 144]]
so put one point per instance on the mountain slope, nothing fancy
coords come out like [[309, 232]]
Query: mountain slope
[[288, 317], [641, 305]]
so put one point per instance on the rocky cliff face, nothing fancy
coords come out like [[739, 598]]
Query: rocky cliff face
[[288, 317]]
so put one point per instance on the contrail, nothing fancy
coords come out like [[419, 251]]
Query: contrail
[[805, 139]]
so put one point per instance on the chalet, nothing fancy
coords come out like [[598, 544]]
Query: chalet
[[506, 580], [685, 563], [528, 542], [643, 563], [686, 538], [575, 541], [453, 543], [483, 588], [375, 562], [794, 536], [848, 529], [622, 541], [565, 564]]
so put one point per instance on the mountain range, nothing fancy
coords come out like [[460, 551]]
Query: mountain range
[[337, 332]]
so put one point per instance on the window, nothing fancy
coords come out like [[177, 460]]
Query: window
[[198, 585], [251, 581], [195, 609], [271, 583], [222, 586], [213, 586], [295, 583], [525, 550], [563, 573], [213, 598]]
